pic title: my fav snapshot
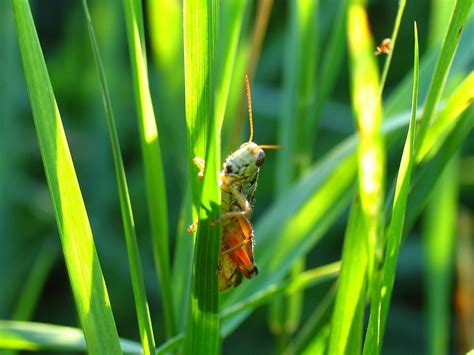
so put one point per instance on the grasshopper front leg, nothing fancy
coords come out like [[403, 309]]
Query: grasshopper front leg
[[243, 203]]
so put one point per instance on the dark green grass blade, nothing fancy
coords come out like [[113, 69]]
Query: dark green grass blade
[[87, 281], [440, 236], [378, 315], [202, 333], [154, 175], [445, 59], [171, 346], [35, 282], [141, 303], [38, 336]]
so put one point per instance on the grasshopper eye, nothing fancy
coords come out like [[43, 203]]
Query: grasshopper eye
[[260, 158]]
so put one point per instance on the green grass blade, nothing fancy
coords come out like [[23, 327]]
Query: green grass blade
[[351, 284], [202, 333], [456, 24], [331, 61], [138, 284], [87, 281], [367, 109], [154, 175], [304, 280], [171, 346], [378, 315], [38, 336], [314, 332], [446, 120], [398, 20], [439, 234]]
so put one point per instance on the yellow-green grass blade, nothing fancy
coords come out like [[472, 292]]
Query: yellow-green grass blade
[[138, 284], [154, 175], [200, 40], [457, 21], [350, 298], [378, 315], [367, 107], [87, 281], [446, 120], [398, 20], [304, 280], [439, 237], [34, 336]]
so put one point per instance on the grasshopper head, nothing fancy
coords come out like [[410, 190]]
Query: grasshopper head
[[245, 161]]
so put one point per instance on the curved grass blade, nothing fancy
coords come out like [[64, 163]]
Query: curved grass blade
[[304, 280], [141, 303], [85, 274], [39, 336], [378, 315], [202, 333], [446, 120], [154, 175], [171, 346], [455, 28]]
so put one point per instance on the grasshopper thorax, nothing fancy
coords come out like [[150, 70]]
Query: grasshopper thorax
[[245, 162]]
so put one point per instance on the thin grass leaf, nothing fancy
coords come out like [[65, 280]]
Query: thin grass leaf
[[171, 346], [138, 284], [332, 59], [378, 315], [200, 40], [398, 20], [439, 237], [85, 274], [312, 334], [351, 285], [39, 336], [455, 28], [35, 282], [154, 175], [304, 280]]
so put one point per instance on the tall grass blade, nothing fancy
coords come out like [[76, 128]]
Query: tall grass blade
[[378, 315], [439, 236], [202, 333], [457, 21], [351, 286], [47, 337], [154, 176], [85, 274], [138, 284], [398, 20]]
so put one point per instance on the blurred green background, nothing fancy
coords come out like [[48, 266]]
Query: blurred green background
[[29, 239]]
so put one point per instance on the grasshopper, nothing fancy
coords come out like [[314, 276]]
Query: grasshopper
[[238, 182]]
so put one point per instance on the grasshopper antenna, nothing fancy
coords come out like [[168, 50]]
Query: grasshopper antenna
[[249, 101]]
